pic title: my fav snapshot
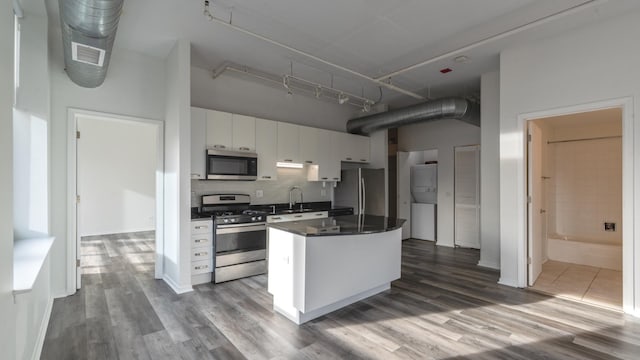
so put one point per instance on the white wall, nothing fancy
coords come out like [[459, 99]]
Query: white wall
[[134, 86], [590, 64], [7, 314], [442, 135], [116, 176], [490, 170], [177, 256], [237, 95]]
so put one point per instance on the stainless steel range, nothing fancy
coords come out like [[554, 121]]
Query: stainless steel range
[[239, 236]]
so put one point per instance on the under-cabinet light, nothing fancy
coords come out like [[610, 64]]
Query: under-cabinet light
[[290, 165]]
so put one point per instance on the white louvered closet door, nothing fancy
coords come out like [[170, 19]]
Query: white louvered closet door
[[467, 196]]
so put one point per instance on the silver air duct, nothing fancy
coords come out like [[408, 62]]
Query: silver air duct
[[445, 108], [88, 31]]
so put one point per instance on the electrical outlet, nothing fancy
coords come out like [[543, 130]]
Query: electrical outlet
[[259, 193], [609, 226]]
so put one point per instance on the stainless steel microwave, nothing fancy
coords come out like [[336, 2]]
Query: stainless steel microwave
[[231, 165]]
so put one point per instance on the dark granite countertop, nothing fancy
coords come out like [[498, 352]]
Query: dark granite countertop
[[340, 225]]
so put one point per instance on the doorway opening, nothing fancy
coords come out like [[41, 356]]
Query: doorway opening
[[575, 212], [116, 179]]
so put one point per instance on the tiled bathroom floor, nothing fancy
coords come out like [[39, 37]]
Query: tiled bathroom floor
[[581, 282]]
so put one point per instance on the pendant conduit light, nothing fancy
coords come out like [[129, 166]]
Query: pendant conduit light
[[299, 85], [206, 11]]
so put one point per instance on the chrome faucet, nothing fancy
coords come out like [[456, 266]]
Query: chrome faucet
[[291, 201]]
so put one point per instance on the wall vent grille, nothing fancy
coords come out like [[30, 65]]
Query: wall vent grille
[[87, 54]]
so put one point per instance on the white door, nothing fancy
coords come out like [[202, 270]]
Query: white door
[[536, 213], [404, 192], [467, 196]]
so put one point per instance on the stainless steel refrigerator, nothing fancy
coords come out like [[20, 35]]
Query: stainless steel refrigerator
[[362, 189]]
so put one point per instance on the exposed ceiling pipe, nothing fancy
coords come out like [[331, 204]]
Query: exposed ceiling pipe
[[17, 9], [445, 108], [381, 82], [492, 38], [88, 32], [384, 80]]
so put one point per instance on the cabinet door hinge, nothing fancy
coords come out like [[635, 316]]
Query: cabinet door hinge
[[77, 199], [528, 137], [77, 134], [528, 200], [77, 262], [529, 260]]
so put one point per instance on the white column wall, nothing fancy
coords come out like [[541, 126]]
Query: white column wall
[[490, 170], [590, 64], [177, 245], [7, 308]]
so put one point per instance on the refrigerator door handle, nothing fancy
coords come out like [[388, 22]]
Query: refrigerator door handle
[[364, 196]]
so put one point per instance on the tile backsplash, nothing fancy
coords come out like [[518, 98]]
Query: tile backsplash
[[273, 191]]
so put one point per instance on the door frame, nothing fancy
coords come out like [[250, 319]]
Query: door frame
[[477, 149], [630, 245], [73, 237]]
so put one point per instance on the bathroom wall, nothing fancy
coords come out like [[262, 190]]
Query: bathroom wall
[[585, 188], [273, 191]]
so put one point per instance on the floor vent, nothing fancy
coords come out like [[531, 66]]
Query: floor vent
[[87, 54]]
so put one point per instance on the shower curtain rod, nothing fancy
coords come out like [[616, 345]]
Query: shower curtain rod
[[585, 139]]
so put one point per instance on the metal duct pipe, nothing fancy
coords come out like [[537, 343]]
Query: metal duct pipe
[[92, 24], [445, 108]]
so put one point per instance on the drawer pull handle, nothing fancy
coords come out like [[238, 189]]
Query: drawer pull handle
[[276, 218], [298, 216], [244, 148], [201, 253], [319, 214], [266, 177], [288, 160], [348, 158], [363, 160], [325, 178], [202, 267], [202, 227], [219, 146], [308, 161], [200, 240]]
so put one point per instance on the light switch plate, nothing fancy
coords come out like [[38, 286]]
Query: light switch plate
[[259, 193]]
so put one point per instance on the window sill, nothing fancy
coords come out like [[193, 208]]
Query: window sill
[[29, 256]]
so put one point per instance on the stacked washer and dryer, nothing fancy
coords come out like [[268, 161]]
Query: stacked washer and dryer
[[424, 193]]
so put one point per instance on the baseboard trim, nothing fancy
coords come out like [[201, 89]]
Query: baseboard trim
[[508, 282], [42, 333], [490, 265], [175, 287]]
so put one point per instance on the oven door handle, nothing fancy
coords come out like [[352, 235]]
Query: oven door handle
[[232, 229]]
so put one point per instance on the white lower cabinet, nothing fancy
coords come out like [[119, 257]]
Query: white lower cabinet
[[201, 251]]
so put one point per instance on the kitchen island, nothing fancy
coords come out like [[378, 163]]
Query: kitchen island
[[318, 266]]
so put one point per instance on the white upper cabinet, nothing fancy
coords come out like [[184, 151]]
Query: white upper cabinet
[[267, 148], [288, 142], [219, 130], [327, 167], [310, 140], [355, 148], [243, 133], [198, 143]]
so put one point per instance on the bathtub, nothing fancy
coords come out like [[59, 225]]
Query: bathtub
[[585, 252]]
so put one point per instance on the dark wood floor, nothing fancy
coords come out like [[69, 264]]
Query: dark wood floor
[[443, 307]]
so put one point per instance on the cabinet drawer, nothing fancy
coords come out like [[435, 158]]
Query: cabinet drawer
[[202, 253], [239, 271], [201, 267], [241, 257], [200, 240], [202, 227]]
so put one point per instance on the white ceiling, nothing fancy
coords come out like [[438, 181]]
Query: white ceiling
[[374, 37]]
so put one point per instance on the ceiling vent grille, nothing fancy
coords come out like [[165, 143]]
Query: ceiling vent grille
[[87, 54]]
